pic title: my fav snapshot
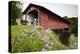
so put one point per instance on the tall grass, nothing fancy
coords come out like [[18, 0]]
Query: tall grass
[[25, 40]]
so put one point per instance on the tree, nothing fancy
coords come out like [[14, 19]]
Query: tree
[[15, 11], [65, 17], [74, 24]]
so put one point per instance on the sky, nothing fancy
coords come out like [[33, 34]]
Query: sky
[[60, 9]]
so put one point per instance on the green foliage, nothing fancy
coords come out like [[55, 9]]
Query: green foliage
[[58, 31], [74, 25], [27, 41], [73, 42], [17, 29], [15, 11], [57, 44]]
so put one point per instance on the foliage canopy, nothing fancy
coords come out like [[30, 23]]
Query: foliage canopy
[[16, 9]]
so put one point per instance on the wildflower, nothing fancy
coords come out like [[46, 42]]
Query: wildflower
[[30, 36], [34, 41], [44, 49], [44, 41], [24, 35], [50, 47], [25, 30], [46, 46], [51, 43]]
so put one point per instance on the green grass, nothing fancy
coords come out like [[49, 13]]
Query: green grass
[[17, 29], [24, 40]]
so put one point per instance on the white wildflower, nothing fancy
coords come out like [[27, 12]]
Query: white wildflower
[[52, 43], [34, 41], [24, 35], [25, 30], [30, 36], [44, 49], [47, 46], [43, 39]]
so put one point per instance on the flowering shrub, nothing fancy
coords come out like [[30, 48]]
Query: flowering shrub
[[39, 40], [27, 42]]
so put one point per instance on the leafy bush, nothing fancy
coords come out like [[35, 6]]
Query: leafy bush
[[73, 42], [26, 43], [74, 24], [39, 40]]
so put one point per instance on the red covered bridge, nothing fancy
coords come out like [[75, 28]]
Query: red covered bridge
[[45, 18]]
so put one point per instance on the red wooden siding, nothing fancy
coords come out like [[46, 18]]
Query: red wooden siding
[[48, 19], [54, 23]]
